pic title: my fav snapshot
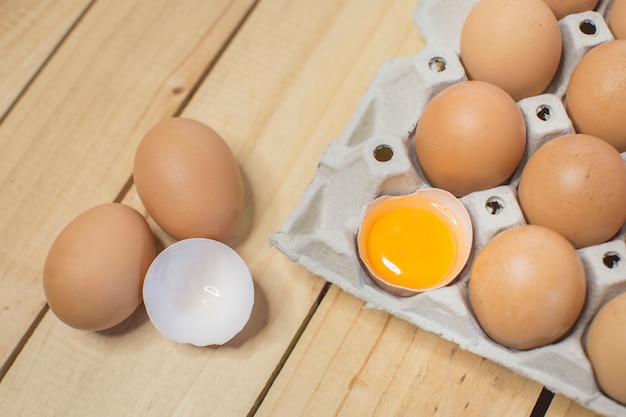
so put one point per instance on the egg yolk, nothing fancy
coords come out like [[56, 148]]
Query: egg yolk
[[411, 247]]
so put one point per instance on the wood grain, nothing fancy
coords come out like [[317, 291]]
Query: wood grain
[[279, 79], [564, 407], [69, 142], [283, 88], [356, 361], [30, 31]]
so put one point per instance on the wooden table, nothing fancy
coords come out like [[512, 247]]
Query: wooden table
[[81, 82]]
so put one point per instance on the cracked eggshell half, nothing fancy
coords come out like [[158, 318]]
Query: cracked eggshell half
[[415, 242], [199, 291]]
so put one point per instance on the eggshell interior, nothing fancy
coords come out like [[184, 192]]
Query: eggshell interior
[[458, 222], [199, 291], [321, 233]]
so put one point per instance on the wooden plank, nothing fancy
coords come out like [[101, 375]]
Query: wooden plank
[[286, 85], [30, 30], [69, 142], [280, 115], [564, 407], [356, 361]]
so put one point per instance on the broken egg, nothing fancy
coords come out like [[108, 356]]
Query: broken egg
[[415, 242], [199, 291]]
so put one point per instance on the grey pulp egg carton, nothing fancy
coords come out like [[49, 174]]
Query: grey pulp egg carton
[[374, 156]]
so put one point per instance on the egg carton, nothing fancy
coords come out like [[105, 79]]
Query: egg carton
[[374, 156]]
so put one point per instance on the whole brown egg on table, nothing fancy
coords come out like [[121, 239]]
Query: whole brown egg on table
[[198, 290], [94, 271]]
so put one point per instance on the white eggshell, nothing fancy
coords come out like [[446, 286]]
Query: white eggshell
[[199, 291]]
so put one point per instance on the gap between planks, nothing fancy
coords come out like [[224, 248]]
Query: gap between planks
[[544, 399], [292, 345], [4, 368], [540, 408], [543, 403], [43, 65]]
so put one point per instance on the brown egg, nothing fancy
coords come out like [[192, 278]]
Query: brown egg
[[576, 185], [527, 287], [94, 271], [616, 19], [562, 8], [188, 179], [606, 347], [514, 44], [471, 136], [596, 94]]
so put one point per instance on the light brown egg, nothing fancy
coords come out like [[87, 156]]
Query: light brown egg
[[514, 44], [527, 287], [471, 136], [596, 94], [188, 179], [606, 347], [562, 8], [93, 274], [576, 185], [616, 19]]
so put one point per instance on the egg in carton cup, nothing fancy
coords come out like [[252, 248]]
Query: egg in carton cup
[[374, 156]]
